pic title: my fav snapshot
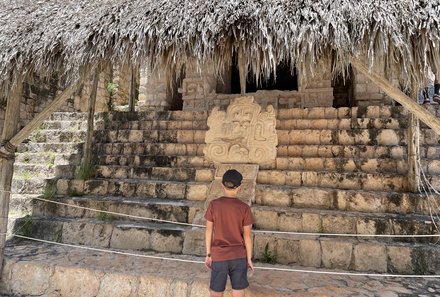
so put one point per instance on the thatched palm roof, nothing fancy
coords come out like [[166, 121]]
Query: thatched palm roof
[[61, 36]]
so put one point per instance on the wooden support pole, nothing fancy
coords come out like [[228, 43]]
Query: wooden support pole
[[132, 99], [410, 104], [7, 161], [242, 70], [413, 154], [87, 160]]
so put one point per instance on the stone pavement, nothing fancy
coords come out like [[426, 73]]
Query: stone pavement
[[34, 269]]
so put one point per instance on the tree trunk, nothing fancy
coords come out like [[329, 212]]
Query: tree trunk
[[7, 161]]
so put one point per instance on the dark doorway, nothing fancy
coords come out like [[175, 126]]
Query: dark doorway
[[176, 97], [285, 80], [343, 90]]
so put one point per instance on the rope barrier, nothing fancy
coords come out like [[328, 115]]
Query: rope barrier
[[255, 231], [202, 262]]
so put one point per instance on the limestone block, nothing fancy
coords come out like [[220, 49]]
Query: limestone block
[[260, 242], [434, 167], [118, 285], [199, 136], [62, 186], [185, 136], [293, 178], [310, 253], [302, 124], [30, 278], [338, 224], [77, 186], [199, 289], [290, 222], [194, 242], [326, 137], [311, 222], [167, 241], [365, 226], [365, 202], [154, 286], [171, 191], [309, 179], [297, 150], [370, 165], [282, 163], [288, 251], [362, 137], [297, 137], [283, 136], [345, 138], [97, 235], [399, 259], [71, 282], [197, 192], [127, 189], [273, 197], [277, 177], [204, 175], [282, 151], [265, 219], [130, 238], [388, 137], [314, 197], [96, 187], [349, 181], [336, 255], [312, 137], [146, 190], [370, 257], [313, 164]]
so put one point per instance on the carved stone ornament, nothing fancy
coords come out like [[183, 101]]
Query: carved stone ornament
[[242, 134]]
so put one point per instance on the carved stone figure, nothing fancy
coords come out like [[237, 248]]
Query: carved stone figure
[[242, 134]]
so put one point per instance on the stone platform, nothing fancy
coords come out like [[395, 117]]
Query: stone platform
[[36, 269]]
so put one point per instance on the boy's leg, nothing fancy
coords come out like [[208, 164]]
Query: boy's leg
[[219, 277], [238, 293]]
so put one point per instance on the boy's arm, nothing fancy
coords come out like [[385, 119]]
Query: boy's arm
[[208, 240], [247, 236]]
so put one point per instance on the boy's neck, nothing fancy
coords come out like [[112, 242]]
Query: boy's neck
[[231, 194]]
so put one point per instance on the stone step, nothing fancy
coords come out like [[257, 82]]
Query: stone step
[[138, 208], [342, 124], [56, 136], [28, 171], [345, 200], [266, 218], [380, 112], [167, 115], [56, 147], [155, 173], [68, 116], [148, 135], [134, 188], [47, 158], [48, 270], [31, 184], [70, 125], [312, 251], [154, 160], [157, 149], [348, 181], [152, 124]]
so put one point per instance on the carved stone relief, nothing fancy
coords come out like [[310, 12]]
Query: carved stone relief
[[242, 134]]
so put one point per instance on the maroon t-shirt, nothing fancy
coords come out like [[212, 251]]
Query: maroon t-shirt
[[229, 216]]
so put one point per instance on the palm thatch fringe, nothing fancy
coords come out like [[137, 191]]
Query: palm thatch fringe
[[60, 36]]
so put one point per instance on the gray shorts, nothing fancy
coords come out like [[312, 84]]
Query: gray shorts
[[237, 271]]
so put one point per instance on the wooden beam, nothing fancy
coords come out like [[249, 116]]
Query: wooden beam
[[87, 160], [132, 99], [410, 104], [42, 116], [242, 70], [7, 160]]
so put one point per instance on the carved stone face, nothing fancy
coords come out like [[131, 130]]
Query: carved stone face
[[242, 134]]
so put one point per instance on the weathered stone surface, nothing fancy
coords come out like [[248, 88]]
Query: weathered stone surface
[[130, 238], [118, 285], [336, 254], [310, 253], [241, 134], [76, 281], [30, 278], [85, 233], [370, 257]]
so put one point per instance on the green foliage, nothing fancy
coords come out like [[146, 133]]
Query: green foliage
[[105, 216], [25, 228], [26, 158], [111, 87], [268, 256], [50, 191], [36, 136], [86, 172], [25, 175]]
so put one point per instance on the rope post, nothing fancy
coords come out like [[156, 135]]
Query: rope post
[[132, 100], [7, 156], [413, 153]]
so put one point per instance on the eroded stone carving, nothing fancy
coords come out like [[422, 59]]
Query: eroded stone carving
[[242, 134]]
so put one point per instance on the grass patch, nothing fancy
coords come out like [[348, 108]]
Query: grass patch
[[268, 256], [105, 216], [74, 193], [50, 191], [50, 160], [86, 172], [26, 175], [26, 158]]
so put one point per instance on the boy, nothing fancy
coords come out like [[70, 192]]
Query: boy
[[228, 238]]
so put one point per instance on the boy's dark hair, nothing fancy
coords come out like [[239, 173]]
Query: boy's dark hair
[[232, 179]]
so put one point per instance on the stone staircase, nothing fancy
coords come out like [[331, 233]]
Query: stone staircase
[[338, 171], [51, 152]]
